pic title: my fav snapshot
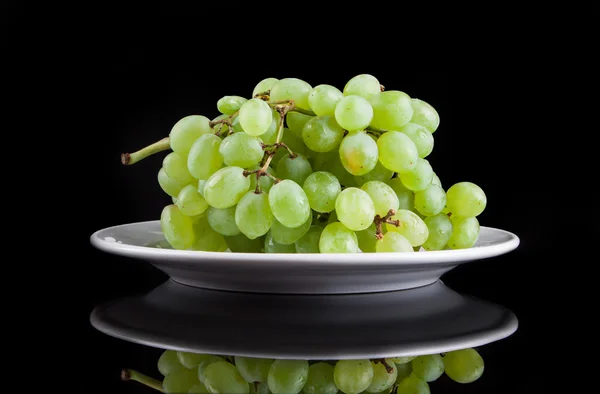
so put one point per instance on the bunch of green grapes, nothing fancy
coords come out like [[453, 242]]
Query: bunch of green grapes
[[294, 168], [216, 374]]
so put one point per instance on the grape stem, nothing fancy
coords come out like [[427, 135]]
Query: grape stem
[[278, 145], [228, 121], [265, 96], [386, 219], [381, 87], [388, 368], [158, 146], [130, 374]]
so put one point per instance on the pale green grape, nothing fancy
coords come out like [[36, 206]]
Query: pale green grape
[[406, 197], [264, 86], [466, 199], [440, 230], [322, 189], [397, 152], [180, 381], [270, 136], [331, 162], [191, 360], [353, 113], [202, 367], [168, 362], [436, 180], [383, 196], [226, 187], [241, 150], [393, 242], [253, 214], [242, 244], [425, 115], [431, 200], [253, 369], [382, 379], [464, 366], [260, 388], [392, 109], [353, 376], [413, 385], [465, 232], [201, 184], [229, 105], [174, 199], [265, 182], [355, 209], [320, 379], [186, 131], [403, 359], [411, 226], [190, 202], [429, 367], [295, 168], [273, 247], [379, 173], [175, 166], [364, 85], [199, 388], [296, 121], [287, 236], [421, 136], [358, 153], [223, 220], [292, 89], [419, 177], [323, 98], [287, 376], [309, 242], [204, 158], [176, 227], [220, 128], [337, 238], [167, 184], [367, 240], [404, 371], [322, 134], [255, 116], [222, 377], [205, 238], [289, 203]]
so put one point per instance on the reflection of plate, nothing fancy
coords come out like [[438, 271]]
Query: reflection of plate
[[296, 273], [429, 319]]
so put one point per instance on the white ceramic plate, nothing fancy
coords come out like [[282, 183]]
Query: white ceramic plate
[[296, 273]]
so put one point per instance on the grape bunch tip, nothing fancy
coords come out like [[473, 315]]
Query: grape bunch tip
[[294, 168]]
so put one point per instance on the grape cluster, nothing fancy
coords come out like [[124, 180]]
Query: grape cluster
[[205, 373], [302, 169]]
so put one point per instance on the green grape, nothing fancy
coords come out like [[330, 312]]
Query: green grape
[[367, 240], [242, 244], [322, 134], [419, 177], [265, 182], [175, 166], [309, 242], [406, 197], [186, 131], [425, 115], [332, 162], [392, 109], [204, 158], [403, 359], [337, 238], [429, 367], [466, 199], [205, 238], [295, 168], [320, 379], [264, 86], [323, 98], [253, 369], [190, 202], [411, 226], [436, 180], [383, 196], [174, 199], [397, 152], [223, 220], [176, 227], [201, 184], [223, 377], [358, 153], [273, 247], [202, 367], [364, 85], [199, 388], [292, 89], [191, 360], [180, 381], [440, 230], [270, 136], [464, 366], [404, 371], [289, 203], [220, 128], [168, 362], [167, 184], [253, 214], [382, 379], [296, 121], [421, 136], [260, 388], [255, 116], [353, 376], [379, 173], [355, 209], [353, 113], [287, 236], [322, 189], [431, 200], [229, 105], [287, 376], [332, 217], [226, 187], [413, 385], [241, 150], [465, 232], [393, 242]]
